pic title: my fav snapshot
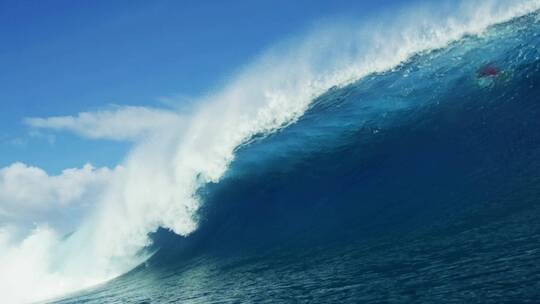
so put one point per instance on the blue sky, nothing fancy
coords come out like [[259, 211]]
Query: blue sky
[[64, 57]]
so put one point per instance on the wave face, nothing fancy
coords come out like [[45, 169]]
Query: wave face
[[415, 184]]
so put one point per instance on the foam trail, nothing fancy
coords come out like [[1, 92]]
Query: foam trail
[[163, 172]]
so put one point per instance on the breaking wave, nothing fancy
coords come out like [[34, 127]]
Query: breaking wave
[[159, 185]]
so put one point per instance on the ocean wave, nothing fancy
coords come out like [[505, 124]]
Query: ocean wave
[[158, 186]]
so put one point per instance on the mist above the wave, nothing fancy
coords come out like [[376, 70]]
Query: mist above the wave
[[157, 186]]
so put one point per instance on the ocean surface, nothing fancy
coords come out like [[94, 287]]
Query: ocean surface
[[420, 184]]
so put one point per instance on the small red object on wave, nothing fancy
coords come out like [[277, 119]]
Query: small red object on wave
[[488, 71]]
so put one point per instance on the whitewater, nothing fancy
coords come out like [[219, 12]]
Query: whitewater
[[158, 185]]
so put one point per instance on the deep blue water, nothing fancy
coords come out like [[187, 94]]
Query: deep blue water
[[417, 185]]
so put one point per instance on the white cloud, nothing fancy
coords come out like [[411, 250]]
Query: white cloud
[[29, 193], [121, 123]]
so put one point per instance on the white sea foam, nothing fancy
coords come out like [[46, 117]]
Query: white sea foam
[[162, 173]]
